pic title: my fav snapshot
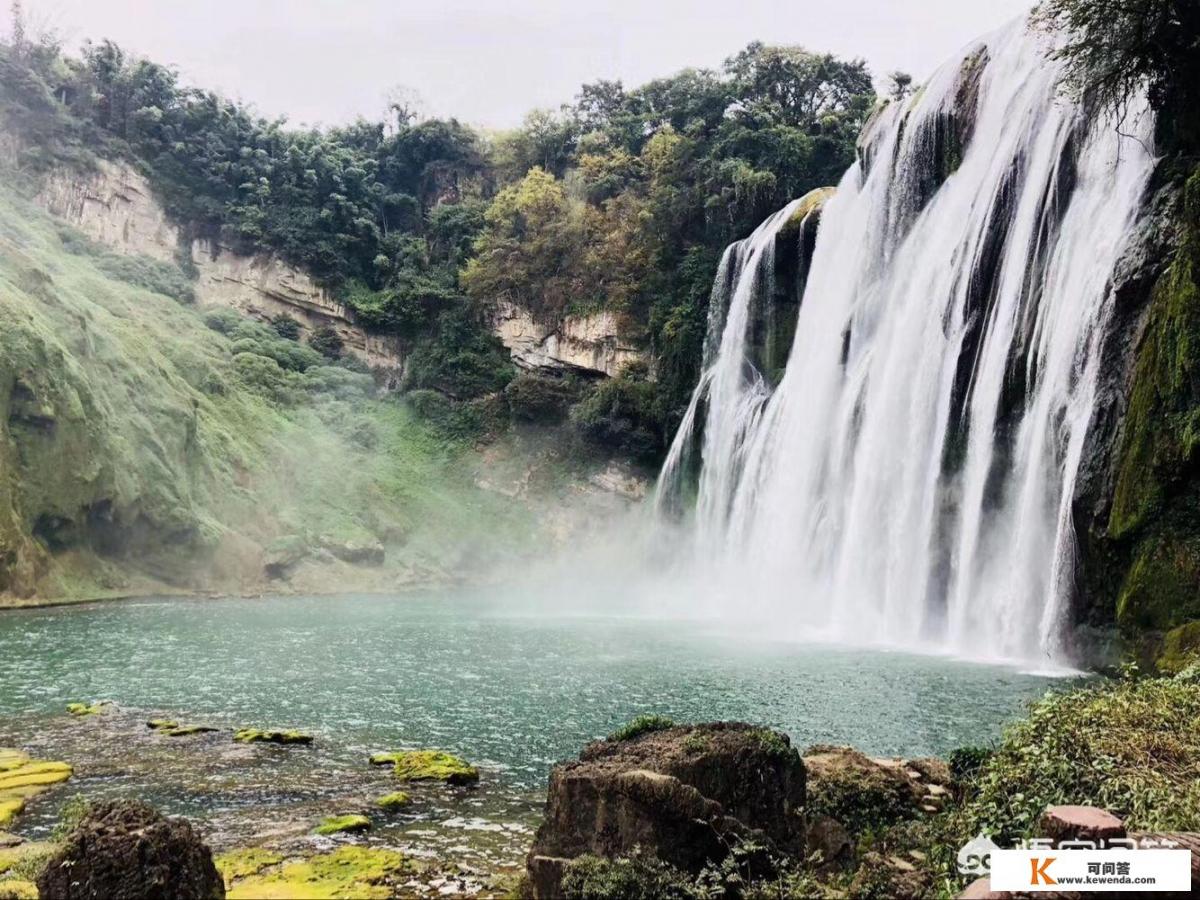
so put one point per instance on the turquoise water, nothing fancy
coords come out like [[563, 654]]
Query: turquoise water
[[513, 693]]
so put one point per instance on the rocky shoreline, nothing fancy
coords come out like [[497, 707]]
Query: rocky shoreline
[[722, 809]]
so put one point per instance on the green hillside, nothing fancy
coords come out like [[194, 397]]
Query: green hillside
[[149, 444]]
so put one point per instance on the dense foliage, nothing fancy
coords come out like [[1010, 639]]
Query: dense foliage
[[1115, 48], [622, 200], [625, 199]]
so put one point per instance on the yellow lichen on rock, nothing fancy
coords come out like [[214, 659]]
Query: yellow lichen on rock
[[22, 778], [84, 709], [10, 758], [18, 889], [245, 861]]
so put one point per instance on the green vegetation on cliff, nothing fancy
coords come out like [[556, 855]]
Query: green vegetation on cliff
[[1156, 506], [621, 201], [146, 446]]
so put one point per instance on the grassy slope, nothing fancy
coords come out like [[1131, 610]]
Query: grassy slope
[[133, 454]]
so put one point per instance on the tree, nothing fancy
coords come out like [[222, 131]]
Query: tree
[[326, 341], [1114, 48], [900, 84], [17, 33]]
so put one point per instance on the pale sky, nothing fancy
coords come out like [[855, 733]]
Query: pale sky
[[323, 61]]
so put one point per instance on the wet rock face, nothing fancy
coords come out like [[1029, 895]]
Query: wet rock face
[[684, 795], [125, 850]]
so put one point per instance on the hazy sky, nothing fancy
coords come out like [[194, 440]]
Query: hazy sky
[[489, 63]]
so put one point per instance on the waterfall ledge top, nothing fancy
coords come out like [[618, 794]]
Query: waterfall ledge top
[[909, 480]]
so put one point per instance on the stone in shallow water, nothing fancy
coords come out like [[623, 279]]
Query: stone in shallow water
[[257, 735], [428, 765], [339, 824], [22, 778], [395, 800], [84, 709]]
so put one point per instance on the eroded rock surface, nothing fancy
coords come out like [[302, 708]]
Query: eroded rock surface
[[125, 850], [685, 795]]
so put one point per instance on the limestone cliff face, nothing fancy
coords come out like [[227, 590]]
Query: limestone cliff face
[[115, 206], [590, 344]]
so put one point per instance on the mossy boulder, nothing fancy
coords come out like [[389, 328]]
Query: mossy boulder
[[1180, 649], [245, 861], [349, 823], [349, 871], [685, 795], [174, 729], [393, 801], [284, 554], [859, 792], [428, 765], [267, 736], [87, 709]]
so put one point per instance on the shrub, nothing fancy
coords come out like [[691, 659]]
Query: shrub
[[462, 358], [459, 420], [286, 327], [223, 321], [641, 725], [540, 399], [326, 341], [1131, 747], [619, 415], [265, 376], [965, 763], [630, 878], [864, 796], [340, 383], [151, 274]]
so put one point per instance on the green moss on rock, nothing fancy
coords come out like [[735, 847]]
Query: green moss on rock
[[393, 801], [350, 871], [859, 792], [245, 861], [256, 735], [348, 823], [428, 765], [18, 889], [1153, 515], [641, 725], [22, 778], [1162, 586], [1180, 649], [85, 709]]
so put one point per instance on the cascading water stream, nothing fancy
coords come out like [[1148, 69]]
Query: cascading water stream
[[909, 479]]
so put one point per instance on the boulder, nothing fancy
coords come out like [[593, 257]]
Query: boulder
[[860, 792], [684, 795], [828, 845], [349, 823], [1080, 823], [427, 765], [124, 850]]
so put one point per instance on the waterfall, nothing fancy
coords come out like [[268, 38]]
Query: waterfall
[[909, 478]]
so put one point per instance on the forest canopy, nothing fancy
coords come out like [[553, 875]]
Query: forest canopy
[[620, 200]]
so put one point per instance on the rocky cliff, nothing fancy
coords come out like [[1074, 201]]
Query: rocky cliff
[[115, 206], [590, 344]]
